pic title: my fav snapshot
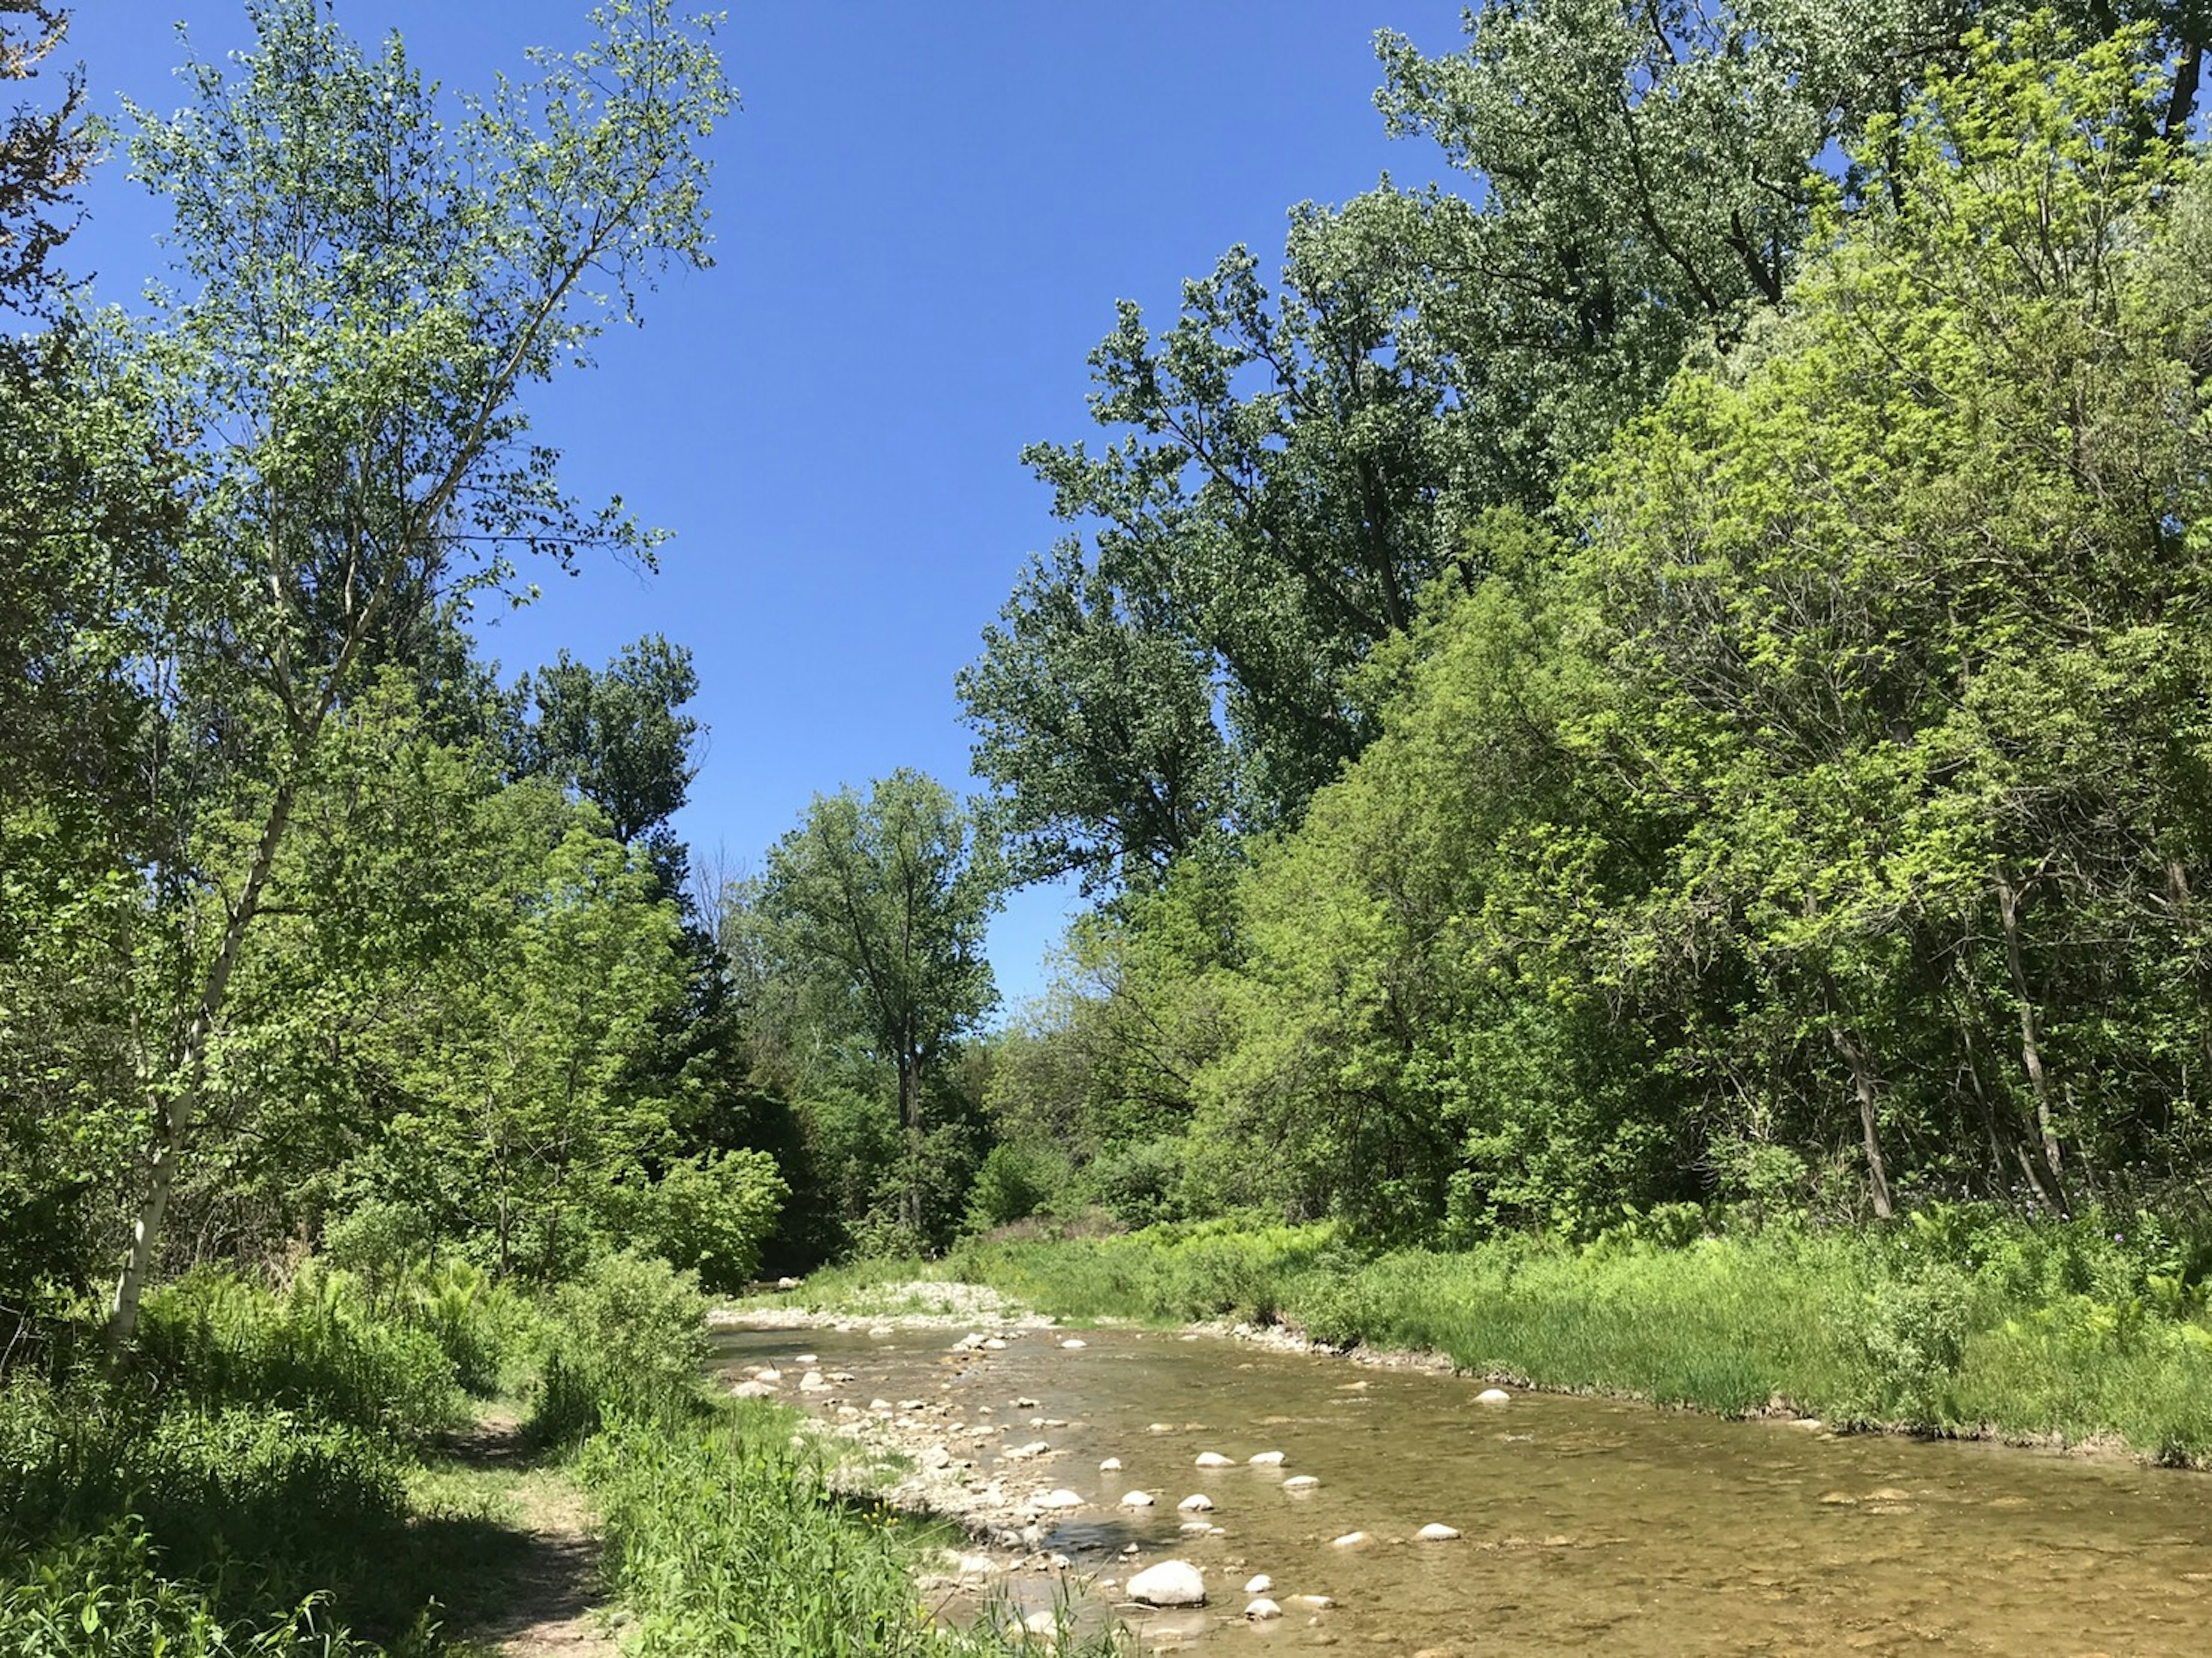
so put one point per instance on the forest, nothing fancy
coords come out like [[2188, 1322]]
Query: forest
[[1661, 692]]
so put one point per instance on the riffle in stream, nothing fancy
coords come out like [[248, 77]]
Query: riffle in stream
[[1586, 1525]]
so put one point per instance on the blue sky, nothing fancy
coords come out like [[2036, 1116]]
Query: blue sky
[[925, 215]]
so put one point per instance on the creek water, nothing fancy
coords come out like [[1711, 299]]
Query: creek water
[[1587, 1526]]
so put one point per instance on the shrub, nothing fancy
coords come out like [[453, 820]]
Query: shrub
[[1016, 1179], [710, 1214], [630, 1334]]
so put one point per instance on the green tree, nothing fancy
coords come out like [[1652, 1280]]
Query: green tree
[[878, 906], [368, 295]]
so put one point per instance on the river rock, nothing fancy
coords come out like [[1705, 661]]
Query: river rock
[[1265, 1460], [1259, 1585], [935, 1457], [1434, 1534], [1351, 1539], [1194, 1528], [881, 1406], [840, 1375], [1318, 1602], [1196, 1503], [753, 1390], [1043, 1624], [1213, 1459], [1493, 1396], [787, 1284], [1262, 1609], [1073, 1345], [1062, 1498], [994, 1344], [1136, 1499], [813, 1382], [1111, 1465], [1171, 1583], [1300, 1482], [807, 1358], [769, 1374], [1026, 1404], [1035, 1447], [1159, 1427]]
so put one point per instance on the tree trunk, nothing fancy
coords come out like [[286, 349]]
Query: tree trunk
[[1855, 1055], [909, 1087], [2031, 1043], [178, 1110]]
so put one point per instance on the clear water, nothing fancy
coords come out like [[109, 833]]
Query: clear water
[[1587, 1526]]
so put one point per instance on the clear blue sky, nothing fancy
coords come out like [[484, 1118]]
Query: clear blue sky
[[925, 215]]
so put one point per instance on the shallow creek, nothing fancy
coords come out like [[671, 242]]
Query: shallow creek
[[1587, 1525]]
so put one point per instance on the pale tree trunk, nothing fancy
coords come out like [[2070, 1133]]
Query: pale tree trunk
[[2031, 1042], [178, 1110], [1861, 1068]]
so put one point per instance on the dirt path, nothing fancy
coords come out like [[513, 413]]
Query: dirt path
[[547, 1599]]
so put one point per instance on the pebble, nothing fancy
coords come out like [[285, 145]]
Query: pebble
[[1349, 1540], [770, 1374], [1435, 1534], [1259, 1585], [813, 1382], [1318, 1602], [1035, 1447], [1265, 1460], [1493, 1396], [1262, 1609], [1300, 1482], [1111, 1465], [994, 1344], [807, 1358], [1196, 1503], [1160, 1427], [1136, 1500], [1062, 1498], [1213, 1459], [1073, 1345]]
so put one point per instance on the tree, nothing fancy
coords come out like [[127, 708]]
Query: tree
[[617, 737], [368, 296], [44, 153], [879, 907]]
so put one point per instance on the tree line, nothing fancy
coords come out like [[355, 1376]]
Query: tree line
[[1673, 675]]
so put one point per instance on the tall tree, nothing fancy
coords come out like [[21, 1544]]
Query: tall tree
[[368, 295], [878, 905]]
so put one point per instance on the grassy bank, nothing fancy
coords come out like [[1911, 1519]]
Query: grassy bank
[[1960, 1320], [306, 1472]]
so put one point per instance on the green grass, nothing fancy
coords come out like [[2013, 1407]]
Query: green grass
[[1960, 1320]]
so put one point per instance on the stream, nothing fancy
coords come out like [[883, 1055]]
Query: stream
[[1587, 1525]]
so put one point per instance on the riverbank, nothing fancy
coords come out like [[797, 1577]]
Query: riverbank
[[1956, 1323], [441, 1467]]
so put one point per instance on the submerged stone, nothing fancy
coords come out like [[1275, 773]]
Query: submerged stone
[[1171, 1583]]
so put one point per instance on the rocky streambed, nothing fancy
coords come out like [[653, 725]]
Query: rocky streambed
[[1316, 1504]]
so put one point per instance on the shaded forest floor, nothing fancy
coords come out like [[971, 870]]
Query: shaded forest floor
[[530, 1586]]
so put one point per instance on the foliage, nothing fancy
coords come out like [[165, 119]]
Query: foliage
[[710, 1214]]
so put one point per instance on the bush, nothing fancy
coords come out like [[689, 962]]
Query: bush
[[1016, 1179], [710, 1214], [1912, 1334], [630, 1335]]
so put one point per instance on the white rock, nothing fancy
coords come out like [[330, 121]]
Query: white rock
[[977, 1565], [1136, 1499], [995, 1345], [787, 1284], [935, 1457], [1196, 1529], [1159, 1428], [1434, 1534], [813, 1382], [807, 1358], [840, 1375], [1035, 1447], [1213, 1459], [1062, 1498], [1111, 1465], [1262, 1609], [754, 1390], [910, 1404], [1259, 1585], [1300, 1482], [1318, 1602], [1026, 1404], [1493, 1396], [1351, 1539], [769, 1374], [1265, 1460], [1171, 1583], [1196, 1503], [1046, 1624], [881, 1406], [1073, 1345]]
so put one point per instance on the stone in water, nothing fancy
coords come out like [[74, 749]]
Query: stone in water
[[1171, 1583], [1434, 1534], [1265, 1460], [1351, 1539], [1262, 1609], [1213, 1459], [1493, 1396], [1197, 1502], [1300, 1482], [1136, 1500], [1062, 1498], [1259, 1585]]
